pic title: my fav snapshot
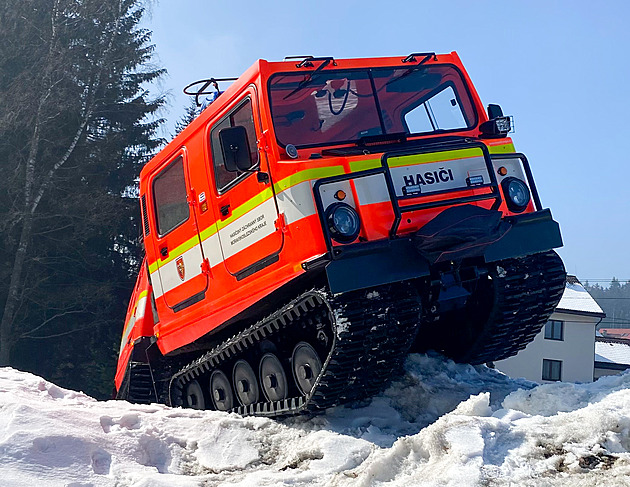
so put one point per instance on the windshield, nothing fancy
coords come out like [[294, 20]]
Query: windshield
[[334, 106]]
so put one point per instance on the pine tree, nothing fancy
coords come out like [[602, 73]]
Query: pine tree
[[614, 301], [192, 111], [76, 125]]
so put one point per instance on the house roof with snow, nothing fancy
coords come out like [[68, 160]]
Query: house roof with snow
[[577, 300], [612, 353], [615, 332]]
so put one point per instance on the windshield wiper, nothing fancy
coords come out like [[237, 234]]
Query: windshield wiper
[[308, 63], [411, 58]]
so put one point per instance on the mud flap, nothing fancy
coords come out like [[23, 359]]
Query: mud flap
[[460, 232], [395, 261], [529, 234], [468, 231]]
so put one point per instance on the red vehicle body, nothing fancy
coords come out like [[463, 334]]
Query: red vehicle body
[[350, 178]]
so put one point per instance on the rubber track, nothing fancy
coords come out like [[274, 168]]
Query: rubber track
[[373, 331], [141, 389], [528, 290]]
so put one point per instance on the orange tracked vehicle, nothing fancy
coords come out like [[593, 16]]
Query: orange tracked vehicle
[[320, 219]]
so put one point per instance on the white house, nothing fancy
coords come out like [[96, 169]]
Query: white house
[[612, 356], [565, 347]]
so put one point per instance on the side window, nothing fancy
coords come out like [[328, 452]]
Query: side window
[[169, 192], [242, 115], [440, 112]]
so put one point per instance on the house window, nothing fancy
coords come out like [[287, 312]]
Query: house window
[[552, 369], [554, 330]]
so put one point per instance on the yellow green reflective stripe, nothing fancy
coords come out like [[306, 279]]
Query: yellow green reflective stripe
[[208, 232], [306, 175], [318, 173], [434, 157], [249, 205], [175, 253], [364, 165], [286, 183], [501, 149]]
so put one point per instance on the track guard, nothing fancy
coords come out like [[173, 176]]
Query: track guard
[[468, 231], [394, 261], [530, 233]]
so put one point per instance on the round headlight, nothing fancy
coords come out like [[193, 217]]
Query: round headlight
[[343, 222], [516, 194]]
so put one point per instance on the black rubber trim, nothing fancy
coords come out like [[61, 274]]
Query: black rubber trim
[[194, 299], [368, 265], [257, 266], [530, 233]]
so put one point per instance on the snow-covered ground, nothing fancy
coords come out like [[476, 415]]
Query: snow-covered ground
[[440, 424]]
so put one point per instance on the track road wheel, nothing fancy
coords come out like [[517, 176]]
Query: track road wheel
[[306, 366], [194, 396], [221, 391], [245, 383], [273, 378]]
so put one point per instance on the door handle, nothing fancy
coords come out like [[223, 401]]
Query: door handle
[[225, 210], [164, 252]]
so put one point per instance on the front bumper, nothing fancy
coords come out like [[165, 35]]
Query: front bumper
[[366, 265]]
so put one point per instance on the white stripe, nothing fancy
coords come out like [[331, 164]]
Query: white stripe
[[168, 276], [156, 283], [139, 313], [248, 229], [141, 307], [212, 250], [371, 189], [297, 202]]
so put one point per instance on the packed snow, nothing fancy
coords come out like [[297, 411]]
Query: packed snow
[[440, 424]]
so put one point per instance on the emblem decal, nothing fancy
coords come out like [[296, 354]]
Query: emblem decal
[[181, 270]]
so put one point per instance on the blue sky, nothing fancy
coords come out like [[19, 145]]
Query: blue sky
[[559, 67]]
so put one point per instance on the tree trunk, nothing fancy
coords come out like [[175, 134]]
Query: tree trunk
[[7, 339]]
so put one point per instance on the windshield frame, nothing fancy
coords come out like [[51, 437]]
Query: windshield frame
[[370, 70]]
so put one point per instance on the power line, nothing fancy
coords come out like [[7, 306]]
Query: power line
[[595, 298], [585, 279]]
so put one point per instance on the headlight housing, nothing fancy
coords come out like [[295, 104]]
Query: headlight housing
[[516, 194], [343, 222]]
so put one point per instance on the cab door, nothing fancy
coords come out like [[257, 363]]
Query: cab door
[[177, 243], [249, 231]]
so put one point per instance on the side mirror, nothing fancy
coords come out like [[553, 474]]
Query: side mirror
[[498, 126], [494, 111], [235, 148]]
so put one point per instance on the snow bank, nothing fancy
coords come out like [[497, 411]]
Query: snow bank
[[440, 424]]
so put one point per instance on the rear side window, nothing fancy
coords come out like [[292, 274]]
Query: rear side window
[[440, 112], [242, 115], [169, 191]]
